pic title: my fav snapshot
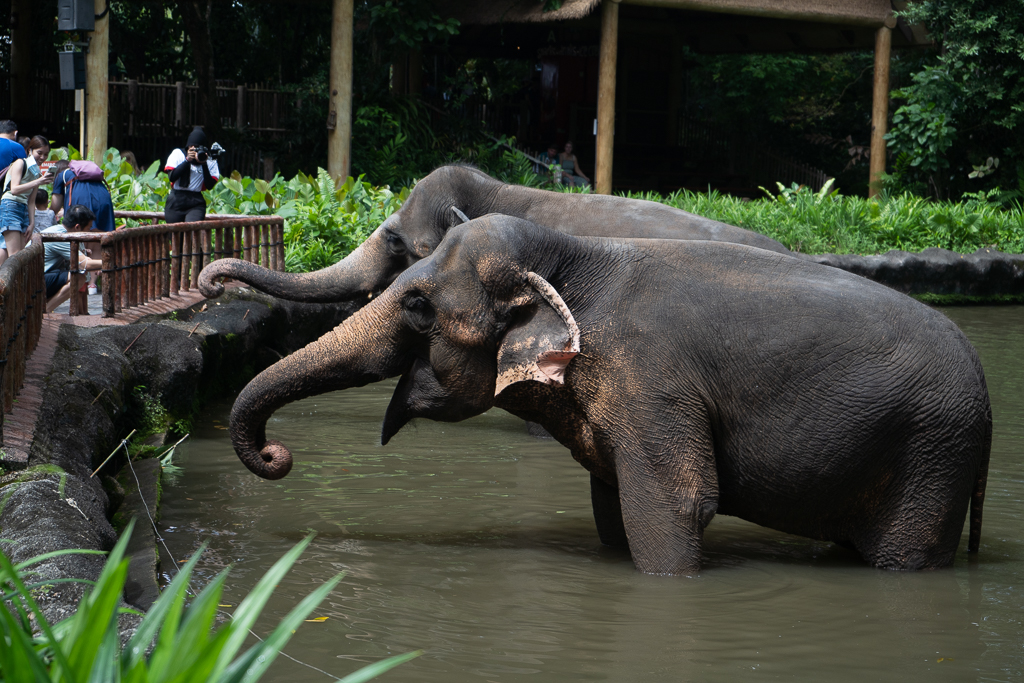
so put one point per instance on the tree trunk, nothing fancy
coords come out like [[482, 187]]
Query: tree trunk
[[196, 16]]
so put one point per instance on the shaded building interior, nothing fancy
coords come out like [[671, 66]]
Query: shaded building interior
[[661, 141]]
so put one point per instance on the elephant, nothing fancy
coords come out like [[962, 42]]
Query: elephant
[[691, 378], [451, 195]]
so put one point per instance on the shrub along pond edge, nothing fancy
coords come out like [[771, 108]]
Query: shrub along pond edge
[[96, 392]]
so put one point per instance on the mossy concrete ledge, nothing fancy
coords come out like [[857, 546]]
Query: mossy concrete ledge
[[987, 273], [105, 381]]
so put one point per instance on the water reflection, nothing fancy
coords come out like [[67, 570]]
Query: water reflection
[[475, 542]]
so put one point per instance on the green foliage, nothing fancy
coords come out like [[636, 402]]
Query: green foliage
[[982, 50], [922, 133], [394, 142], [827, 222], [975, 80], [172, 643], [150, 188], [150, 416], [326, 222], [410, 23]]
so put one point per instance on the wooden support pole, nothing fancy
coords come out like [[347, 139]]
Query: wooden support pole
[[22, 95], [606, 96], [96, 75], [879, 109], [339, 113]]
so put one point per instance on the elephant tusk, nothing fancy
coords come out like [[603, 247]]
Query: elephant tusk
[[545, 289], [463, 217]]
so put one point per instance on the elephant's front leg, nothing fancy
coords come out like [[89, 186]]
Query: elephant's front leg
[[607, 513], [669, 493]]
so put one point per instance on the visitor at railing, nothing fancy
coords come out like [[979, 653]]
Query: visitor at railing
[[572, 174], [18, 204], [81, 182], [191, 171], [57, 260], [10, 150], [45, 218]]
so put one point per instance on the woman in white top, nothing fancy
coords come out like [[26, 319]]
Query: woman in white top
[[191, 171], [18, 204]]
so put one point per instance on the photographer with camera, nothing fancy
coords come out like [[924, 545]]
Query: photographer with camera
[[191, 170]]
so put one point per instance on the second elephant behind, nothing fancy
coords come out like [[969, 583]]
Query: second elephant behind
[[453, 194]]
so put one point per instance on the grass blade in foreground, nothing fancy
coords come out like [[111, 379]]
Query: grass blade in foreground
[[86, 647]]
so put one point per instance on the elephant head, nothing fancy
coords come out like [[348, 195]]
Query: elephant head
[[459, 326]]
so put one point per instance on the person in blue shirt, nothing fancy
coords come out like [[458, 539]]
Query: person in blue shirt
[[92, 194], [10, 149]]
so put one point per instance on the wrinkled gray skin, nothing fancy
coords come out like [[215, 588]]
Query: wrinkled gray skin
[[415, 230], [711, 378]]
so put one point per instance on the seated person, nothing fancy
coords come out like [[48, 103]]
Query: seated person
[[571, 173], [549, 159], [57, 259], [44, 215]]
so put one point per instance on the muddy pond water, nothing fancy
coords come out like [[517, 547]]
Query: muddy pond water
[[475, 542]]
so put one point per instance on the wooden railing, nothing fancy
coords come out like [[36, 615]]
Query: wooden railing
[[22, 302], [151, 262]]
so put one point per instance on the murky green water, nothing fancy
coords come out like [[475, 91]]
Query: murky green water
[[475, 542]]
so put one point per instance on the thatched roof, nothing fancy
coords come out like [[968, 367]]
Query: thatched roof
[[490, 12]]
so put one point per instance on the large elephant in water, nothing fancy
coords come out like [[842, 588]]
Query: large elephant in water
[[690, 378], [447, 197]]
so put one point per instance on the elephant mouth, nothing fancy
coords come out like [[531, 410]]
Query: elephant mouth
[[418, 393], [421, 394]]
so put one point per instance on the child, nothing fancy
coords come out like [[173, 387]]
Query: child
[[44, 215]]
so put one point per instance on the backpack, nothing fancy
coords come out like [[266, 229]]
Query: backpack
[[86, 170], [83, 170]]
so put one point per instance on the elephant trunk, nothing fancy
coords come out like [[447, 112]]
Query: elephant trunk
[[361, 350], [363, 271]]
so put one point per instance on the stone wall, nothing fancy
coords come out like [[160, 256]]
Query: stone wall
[[91, 400]]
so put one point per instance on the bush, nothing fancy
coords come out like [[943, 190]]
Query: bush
[[827, 222], [87, 645]]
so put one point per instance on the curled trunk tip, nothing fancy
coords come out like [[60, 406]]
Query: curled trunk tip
[[209, 284], [273, 461]]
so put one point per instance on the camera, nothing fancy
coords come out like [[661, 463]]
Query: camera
[[213, 152]]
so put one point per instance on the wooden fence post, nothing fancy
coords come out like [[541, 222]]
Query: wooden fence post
[[109, 277], [133, 101], [179, 104], [76, 280], [240, 109]]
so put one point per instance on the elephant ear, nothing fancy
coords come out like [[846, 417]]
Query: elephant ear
[[541, 341]]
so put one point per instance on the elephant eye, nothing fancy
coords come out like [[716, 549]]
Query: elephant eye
[[395, 244], [418, 313]]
